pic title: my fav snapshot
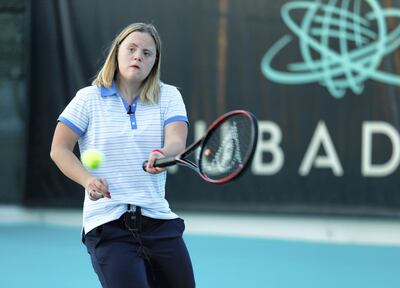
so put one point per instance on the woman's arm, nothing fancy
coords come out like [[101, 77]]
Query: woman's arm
[[175, 138], [64, 141], [175, 135]]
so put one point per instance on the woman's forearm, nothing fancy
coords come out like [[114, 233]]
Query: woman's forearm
[[175, 138], [173, 148], [70, 165]]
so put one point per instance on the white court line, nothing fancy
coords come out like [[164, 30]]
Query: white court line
[[300, 228], [303, 228]]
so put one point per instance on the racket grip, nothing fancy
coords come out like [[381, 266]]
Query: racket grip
[[162, 162]]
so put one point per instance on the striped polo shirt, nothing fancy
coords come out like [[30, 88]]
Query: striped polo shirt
[[99, 115]]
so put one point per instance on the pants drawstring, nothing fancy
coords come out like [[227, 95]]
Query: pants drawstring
[[133, 222]]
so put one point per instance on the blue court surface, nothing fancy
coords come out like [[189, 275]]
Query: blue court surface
[[47, 255]]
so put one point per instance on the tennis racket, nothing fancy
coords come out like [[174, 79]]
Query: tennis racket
[[224, 152]]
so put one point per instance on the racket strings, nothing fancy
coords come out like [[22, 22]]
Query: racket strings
[[228, 151], [228, 148]]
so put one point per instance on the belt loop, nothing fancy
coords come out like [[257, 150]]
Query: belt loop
[[129, 207]]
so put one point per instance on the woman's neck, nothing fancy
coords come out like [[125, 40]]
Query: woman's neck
[[127, 89]]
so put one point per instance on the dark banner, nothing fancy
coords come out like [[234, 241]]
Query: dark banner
[[322, 77]]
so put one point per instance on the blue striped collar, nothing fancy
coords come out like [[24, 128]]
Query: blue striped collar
[[109, 91]]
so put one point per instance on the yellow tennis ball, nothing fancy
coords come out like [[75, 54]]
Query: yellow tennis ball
[[92, 158]]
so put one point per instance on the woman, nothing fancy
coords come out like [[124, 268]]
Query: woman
[[132, 236]]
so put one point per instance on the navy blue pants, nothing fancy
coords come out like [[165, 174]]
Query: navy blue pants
[[154, 257]]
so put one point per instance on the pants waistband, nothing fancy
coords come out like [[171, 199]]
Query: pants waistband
[[131, 207], [141, 220]]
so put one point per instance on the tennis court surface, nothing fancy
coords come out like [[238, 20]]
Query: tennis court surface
[[39, 250]]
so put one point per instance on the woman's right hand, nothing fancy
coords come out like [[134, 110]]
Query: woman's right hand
[[64, 141], [97, 188]]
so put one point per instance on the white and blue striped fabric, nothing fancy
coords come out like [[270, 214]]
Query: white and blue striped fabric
[[99, 116]]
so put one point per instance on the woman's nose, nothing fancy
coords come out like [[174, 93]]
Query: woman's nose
[[137, 56]]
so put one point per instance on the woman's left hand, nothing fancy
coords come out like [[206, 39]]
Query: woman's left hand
[[155, 154]]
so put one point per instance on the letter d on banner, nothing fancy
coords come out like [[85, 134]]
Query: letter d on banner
[[379, 170]]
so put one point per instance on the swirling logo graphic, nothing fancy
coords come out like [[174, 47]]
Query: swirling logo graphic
[[342, 43]]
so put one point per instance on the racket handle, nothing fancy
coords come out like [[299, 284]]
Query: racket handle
[[162, 162]]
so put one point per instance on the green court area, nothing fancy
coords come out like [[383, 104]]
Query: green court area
[[48, 256]]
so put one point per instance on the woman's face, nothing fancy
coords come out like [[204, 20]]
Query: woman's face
[[136, 57]]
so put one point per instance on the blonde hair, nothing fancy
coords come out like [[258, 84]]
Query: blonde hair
[[150, 88]]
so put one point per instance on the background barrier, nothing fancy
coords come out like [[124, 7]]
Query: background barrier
[[328, 106]]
